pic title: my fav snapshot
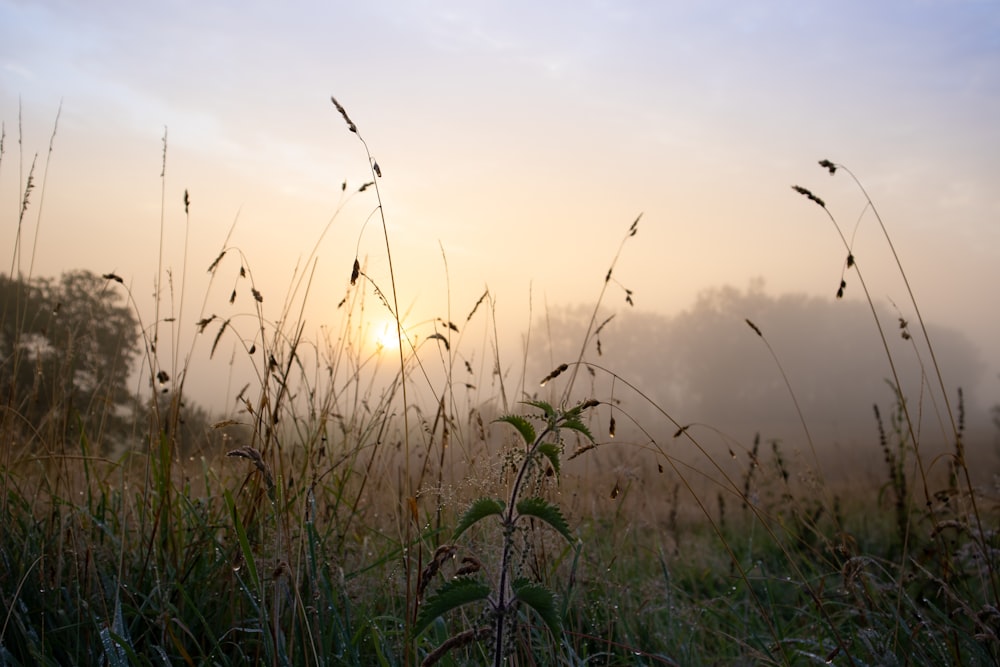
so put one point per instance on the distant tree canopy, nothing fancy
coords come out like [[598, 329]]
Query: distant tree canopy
[[706, 364], [67, 349]]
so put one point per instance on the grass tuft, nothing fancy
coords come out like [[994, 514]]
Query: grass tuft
[[378, 517]]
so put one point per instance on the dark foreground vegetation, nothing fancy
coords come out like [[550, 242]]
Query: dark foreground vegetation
[[359, 508]]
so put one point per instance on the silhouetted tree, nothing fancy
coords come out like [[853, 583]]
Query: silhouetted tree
[[66, 351]]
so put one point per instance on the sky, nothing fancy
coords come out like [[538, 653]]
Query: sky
[[517, 142]]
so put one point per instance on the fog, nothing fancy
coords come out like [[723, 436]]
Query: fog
[[708, 366], [517, 141]]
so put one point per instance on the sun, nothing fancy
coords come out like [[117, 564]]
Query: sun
[[384, 335]]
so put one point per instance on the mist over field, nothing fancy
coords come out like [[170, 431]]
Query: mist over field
[[325, 338], [708, 366]]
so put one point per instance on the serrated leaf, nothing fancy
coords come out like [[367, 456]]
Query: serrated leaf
[[551, 452], [541, 599], [547, 512], [543, 406], [522, 425], [453, 594], [479, 509], [579, 426]]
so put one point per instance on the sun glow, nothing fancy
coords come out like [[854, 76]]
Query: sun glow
[[384, 335]]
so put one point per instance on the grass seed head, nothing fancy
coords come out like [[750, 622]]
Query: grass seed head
[[343, 112], [251, 454], [470, 565], [215, 263], [204, 322], [554, 374], [806, 193]]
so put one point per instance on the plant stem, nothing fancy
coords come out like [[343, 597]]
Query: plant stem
[[508, 540]]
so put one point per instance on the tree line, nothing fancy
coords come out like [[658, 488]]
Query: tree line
[[69, 349], [712, 363]]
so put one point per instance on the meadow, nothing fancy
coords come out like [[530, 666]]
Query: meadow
[[363, 506]]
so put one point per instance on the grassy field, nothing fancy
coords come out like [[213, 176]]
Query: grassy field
[[361, 509]]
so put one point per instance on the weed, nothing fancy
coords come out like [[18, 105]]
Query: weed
[[351, 508]]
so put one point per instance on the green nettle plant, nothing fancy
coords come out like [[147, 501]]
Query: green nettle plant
[[510, 588]]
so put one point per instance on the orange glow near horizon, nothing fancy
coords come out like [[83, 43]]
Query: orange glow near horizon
[[516, 143]]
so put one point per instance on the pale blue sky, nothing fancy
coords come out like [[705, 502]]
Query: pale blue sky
[[523, 138]]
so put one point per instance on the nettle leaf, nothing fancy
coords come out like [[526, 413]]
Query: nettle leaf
[[541, 599], [547, 512], [479, 509], [522, 425], [544, 407], [455, 593], [551, 452], [579, 426], [577, 410]]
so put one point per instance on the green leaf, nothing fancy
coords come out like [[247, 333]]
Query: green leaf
[[547, 512], [541, 599], [551, 452], [114, 652], [522, 425], [577, 425], [577, 410], [544, 407], [241, 536], [453, 594], [479, 509], [377, 641]]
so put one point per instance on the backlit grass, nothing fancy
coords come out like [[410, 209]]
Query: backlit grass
[[362, 505]]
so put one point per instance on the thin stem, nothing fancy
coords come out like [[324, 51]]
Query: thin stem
[[758, 514], [795, 400], [882, 336], [376, 175], [960, 454], [909, 290], [597, 305], [41, 196]]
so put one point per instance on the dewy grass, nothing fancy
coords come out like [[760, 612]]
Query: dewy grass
[[987, 552], [409, 494], [531, 540]]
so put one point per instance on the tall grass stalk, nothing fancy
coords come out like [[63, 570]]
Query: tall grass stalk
[[956, 432], [959, 455], [409, 510], [632, 230], [273, 536], [15, 267], [730, 486]]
